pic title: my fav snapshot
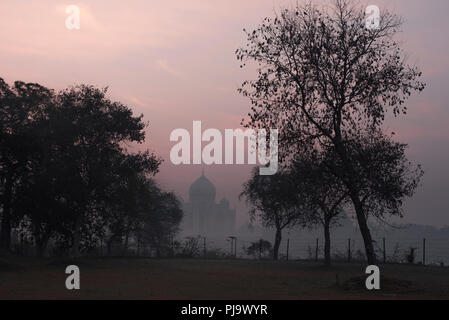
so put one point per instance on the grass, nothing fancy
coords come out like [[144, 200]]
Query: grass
[[131, 278]]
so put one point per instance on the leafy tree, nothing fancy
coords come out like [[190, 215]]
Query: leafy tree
[[273, 203], [131, 198], [160, 225], [93, 132], [326, 195], [22, 106], [385, 176], [323, 79], [65, 168]]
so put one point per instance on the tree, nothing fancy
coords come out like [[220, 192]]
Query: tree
[[161, 224], [94, 132], [324, 77], [271, 200], [22, 106], [130, 198], [65, 167], [385, 176], [326, 195]]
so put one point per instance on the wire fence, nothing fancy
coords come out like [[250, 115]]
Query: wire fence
[[427, 251]]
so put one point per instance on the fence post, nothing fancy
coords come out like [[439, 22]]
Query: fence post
[[385, 252], [288, 246], [260, 249], [316, 250], [349, 250], [424, 251], [204, 246], [235, 247]]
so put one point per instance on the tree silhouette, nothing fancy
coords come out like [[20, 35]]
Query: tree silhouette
[[66, 172], [385, 176], [325, 194], [323, 78], [22, 106], [273, 201]]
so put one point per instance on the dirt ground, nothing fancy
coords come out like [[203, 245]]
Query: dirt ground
[[133, 278]]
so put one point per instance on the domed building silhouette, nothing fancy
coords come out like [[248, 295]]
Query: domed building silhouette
[[202, 215]]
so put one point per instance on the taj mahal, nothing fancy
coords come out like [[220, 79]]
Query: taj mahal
[[202, 215]]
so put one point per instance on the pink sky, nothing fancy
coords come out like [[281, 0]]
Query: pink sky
[[174, 62]]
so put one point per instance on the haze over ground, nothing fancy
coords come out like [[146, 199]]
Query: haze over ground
[[174, 62]]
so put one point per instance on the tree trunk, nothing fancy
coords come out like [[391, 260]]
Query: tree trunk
[[5, 232], [41, 246], [41, 236], [125, 245], [109, 245], [364, 230], [75, 252], [5, 238], [355, 198], [327, 242], [277, 243]]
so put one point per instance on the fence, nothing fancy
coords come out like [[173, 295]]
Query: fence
[[428, 251]]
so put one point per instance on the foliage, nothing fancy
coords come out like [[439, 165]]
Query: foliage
[[67, 174]]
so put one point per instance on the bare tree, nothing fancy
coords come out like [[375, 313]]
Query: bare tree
[[323, 77]]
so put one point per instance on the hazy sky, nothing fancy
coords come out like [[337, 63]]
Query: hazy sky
[[174, 62]]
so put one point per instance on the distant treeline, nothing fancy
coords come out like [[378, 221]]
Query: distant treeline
[[67, 176]]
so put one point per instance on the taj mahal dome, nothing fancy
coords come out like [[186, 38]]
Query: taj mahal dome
[[202, 215]]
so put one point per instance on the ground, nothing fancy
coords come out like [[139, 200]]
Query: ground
[[133, 278]]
